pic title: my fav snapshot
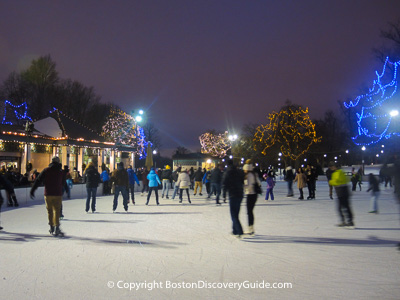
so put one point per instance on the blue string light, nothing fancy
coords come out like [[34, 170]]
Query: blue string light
[[19, 116], [373, 109]]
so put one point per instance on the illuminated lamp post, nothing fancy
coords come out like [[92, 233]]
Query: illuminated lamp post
[[362, 158]]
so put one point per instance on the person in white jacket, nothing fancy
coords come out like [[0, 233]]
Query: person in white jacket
[[183, 183], [250, 180]]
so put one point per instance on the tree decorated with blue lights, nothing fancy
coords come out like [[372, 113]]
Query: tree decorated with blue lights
[[375, 112]]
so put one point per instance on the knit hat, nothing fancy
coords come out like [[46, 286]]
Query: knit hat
[[167, 167]]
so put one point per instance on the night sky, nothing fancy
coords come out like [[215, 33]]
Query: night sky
[[199, 65]]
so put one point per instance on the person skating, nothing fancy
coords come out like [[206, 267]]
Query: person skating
[[215, 180], [301, 182], [289, 176], [120, 179], [183, 183], [250, 180], [105, 178], [132, 179], [270, 186], [374, 187], [328, 174], [311, 174], [198, 181], [175, 176], [166, 177], [145, 181], [232, 182], [394, 171], [340, 183], [54, 180], [154, 181], [92, 179], [5, 184]]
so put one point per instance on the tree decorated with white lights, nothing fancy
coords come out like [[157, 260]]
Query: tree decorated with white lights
[[291, 128], [121, 128], [215, 144], [374, 113]]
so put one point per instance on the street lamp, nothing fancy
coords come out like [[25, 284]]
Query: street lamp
[[362, 158], [139, 117]]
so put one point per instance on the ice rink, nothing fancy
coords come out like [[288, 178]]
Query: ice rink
[[183, 251]]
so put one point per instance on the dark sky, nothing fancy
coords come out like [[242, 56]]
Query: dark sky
[[195, 65]]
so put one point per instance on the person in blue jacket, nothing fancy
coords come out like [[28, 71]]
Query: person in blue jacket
[[154, 181], [132, 179], [207, 180]]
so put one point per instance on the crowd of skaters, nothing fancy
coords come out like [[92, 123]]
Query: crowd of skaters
[[218, 181]]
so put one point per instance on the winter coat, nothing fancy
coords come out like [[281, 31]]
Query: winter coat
[[53, 179], [132, 177], [250, 179], [207, 177], [183, 180], [120, 177], [216, 175], [373, 184], [104, 176], [92, 177], [144, 177], [153, 179], [270, 182], [301, 179], [198, 175], [232, 181], [339, 181], [166, 174]]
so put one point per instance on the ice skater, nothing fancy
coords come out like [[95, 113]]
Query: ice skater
[[154, 181], [92, 179], [120, 178], [54, 180], [374, 187], [270, 186], [232, 182], [340, 183], [8, 187], [183, 183], [250, 180]]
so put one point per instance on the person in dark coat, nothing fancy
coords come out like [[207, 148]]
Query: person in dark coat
[[54, 180], [198, 181], [311, 174], [145, 181], [92, 179], [5, 184], [132, 179], [166, 178], [232, 182], [215, 179], [120, 178]]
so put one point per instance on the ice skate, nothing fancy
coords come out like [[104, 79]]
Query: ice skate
[[51, 231], [58, 232], [250, 231], [350, 225]]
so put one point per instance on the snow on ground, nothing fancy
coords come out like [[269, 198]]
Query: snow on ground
[[170, 248]]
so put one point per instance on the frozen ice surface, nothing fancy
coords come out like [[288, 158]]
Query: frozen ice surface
[[166, 248]]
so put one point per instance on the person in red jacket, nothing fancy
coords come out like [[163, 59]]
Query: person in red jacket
[[54, 179]]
